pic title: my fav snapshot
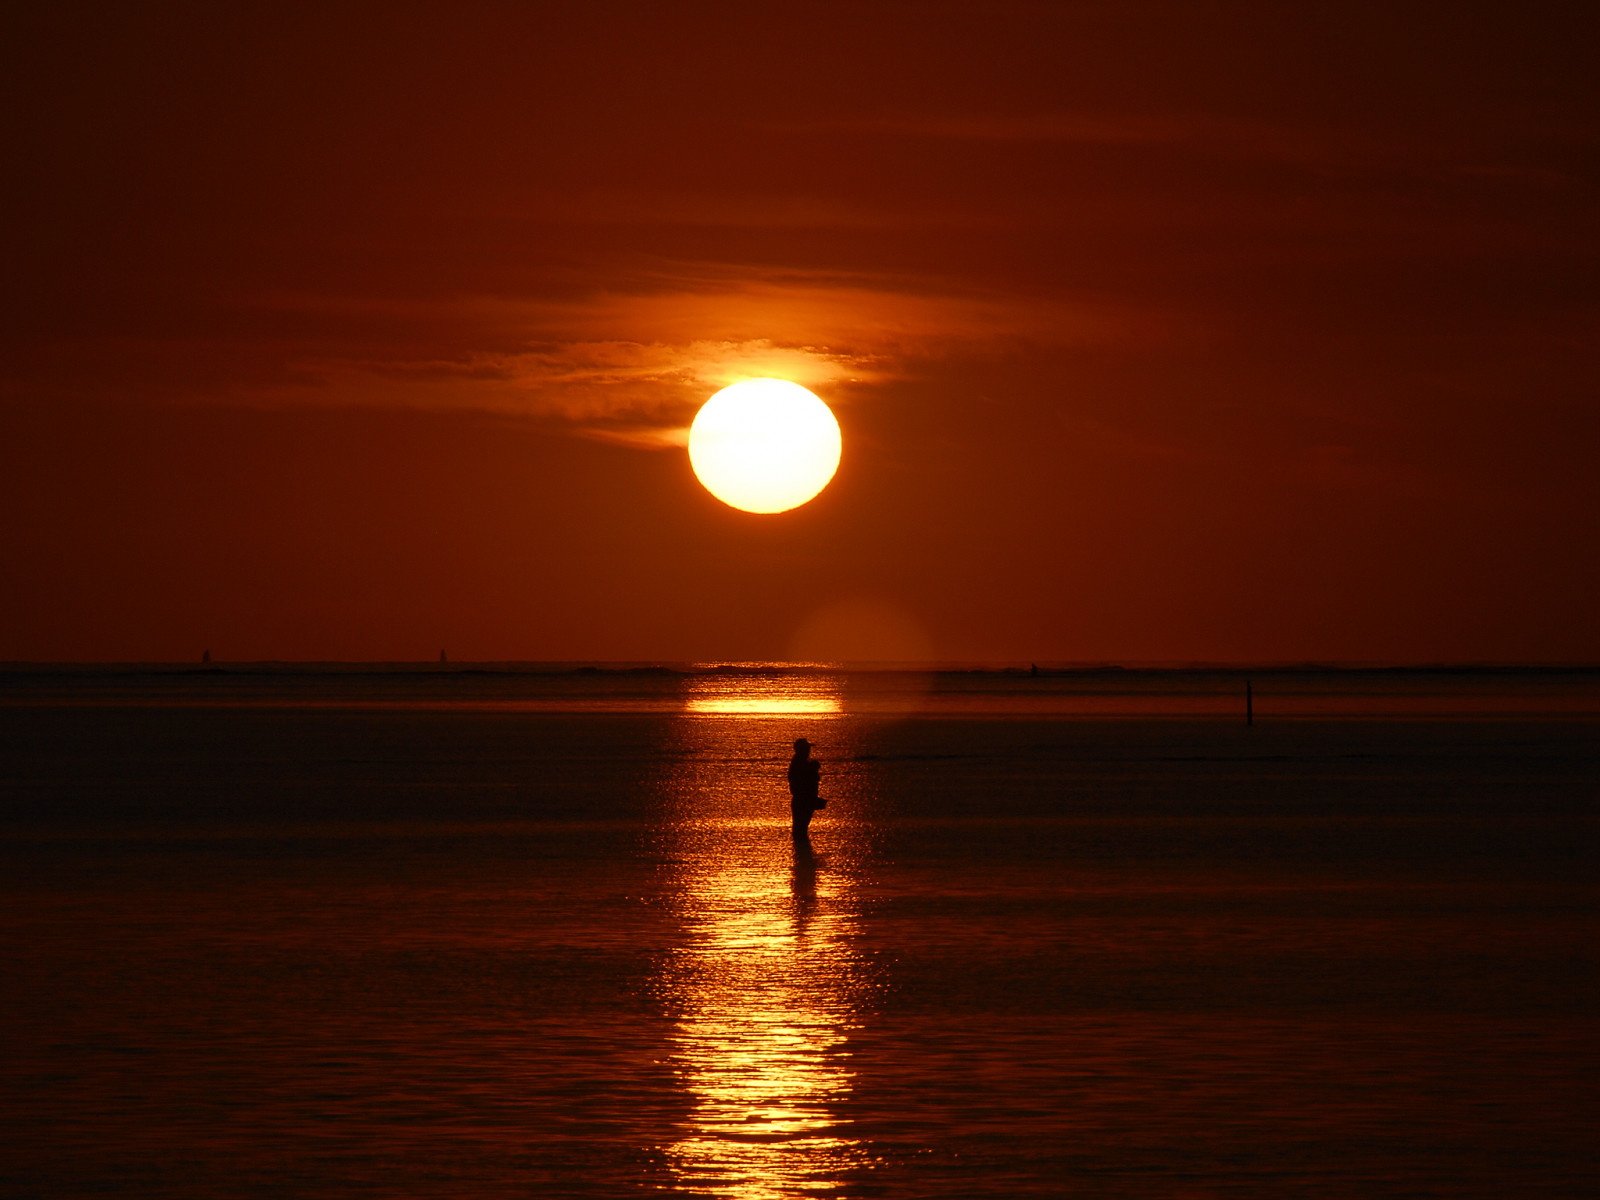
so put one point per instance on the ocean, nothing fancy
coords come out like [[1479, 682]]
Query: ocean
[[494, 931]]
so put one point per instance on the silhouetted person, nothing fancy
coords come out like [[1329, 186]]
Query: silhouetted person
[[805, 776]]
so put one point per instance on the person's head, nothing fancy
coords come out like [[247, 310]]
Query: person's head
[[802, 748]]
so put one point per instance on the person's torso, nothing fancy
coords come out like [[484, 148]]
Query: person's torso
[[804, 776]]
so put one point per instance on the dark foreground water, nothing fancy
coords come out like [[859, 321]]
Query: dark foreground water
[[318, 934]]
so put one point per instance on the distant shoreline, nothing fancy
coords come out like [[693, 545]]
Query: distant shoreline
[[289, 669]]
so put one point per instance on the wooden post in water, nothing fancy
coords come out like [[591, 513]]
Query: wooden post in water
[[1249, 705]]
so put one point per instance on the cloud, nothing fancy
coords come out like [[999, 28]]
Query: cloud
[[1215, 134], [623, 354], [636, 393], [632, 366], [1325, 145]]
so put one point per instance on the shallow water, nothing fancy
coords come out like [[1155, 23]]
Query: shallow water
[[269, 934]]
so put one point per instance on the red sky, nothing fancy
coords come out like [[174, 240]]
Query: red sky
[[1156, 332]]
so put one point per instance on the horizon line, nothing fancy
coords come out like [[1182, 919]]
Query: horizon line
[[702, 666]]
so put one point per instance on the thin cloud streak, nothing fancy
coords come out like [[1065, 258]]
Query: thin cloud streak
[[631, 368], [1230, 136], [1432, 152]]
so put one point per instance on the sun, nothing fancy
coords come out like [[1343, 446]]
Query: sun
[[764, 445]]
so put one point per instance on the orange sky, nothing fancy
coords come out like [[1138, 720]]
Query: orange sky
[[1156, 332]]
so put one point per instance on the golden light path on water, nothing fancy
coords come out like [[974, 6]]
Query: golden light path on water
[[766, 979], [792, 696]]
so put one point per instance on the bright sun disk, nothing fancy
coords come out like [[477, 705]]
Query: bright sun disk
[[764, 445]]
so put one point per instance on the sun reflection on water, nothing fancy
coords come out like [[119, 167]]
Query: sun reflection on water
[[766, 979], [790, 695]]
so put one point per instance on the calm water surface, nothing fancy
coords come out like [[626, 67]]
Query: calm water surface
[[492, 934]]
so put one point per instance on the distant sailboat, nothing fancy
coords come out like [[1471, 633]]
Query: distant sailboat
[[206, 657], [442, 657]]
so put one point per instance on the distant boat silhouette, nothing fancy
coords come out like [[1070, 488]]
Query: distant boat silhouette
[[206, 657], [442, 657]]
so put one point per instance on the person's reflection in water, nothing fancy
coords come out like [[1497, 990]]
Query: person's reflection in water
[[803, 883], [805, 777]]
